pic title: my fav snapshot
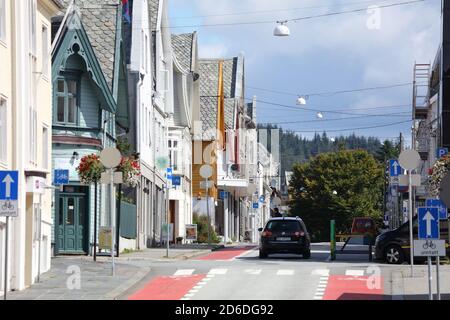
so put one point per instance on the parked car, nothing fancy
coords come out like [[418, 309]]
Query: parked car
[[285, 235], [393, 246]]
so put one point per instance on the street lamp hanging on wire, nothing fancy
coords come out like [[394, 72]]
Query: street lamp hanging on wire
[[281, 30]]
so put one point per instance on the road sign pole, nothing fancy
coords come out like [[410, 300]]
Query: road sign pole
[[168, 219], [5, 285], [40, 239], [113, 218], [207, 212], [411, 235], [438, 287], [430, 278]]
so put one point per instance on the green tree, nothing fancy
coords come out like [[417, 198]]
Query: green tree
[[341, 186], [388, 150]]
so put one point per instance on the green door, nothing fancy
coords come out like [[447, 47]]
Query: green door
[[72, 224]]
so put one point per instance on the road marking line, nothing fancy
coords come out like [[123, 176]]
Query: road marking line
[[318, 298], [254, 272], [185, 299], [320, 272], [285, 272], [197, 287], [189, 295], [218, 272], [184, 272], [207, 279], [354, 273]]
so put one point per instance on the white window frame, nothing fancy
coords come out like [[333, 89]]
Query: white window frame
[[3, 130], [45, 146], [3, 21], [32, 7], [45, 51]]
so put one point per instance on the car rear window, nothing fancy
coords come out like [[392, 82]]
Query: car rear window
[[286, 226]]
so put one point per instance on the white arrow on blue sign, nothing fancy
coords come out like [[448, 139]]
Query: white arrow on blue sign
[[428, 223], [394, 168], [440, 205], [61, 177], [9, 185]]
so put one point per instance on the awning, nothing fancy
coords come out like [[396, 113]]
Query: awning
[[239, 186]]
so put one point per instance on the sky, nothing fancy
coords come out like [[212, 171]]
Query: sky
[[373, 47]]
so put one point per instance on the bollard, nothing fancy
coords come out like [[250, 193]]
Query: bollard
[[333, 240]]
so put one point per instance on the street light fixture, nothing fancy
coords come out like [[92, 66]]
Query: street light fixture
[[301, 101], [281, 30]]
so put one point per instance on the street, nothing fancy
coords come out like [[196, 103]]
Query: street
[[244, 276]]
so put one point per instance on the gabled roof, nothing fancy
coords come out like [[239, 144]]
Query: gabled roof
[[209, 90], [154, 13], [209, 97], [183, 49], [99, 19]]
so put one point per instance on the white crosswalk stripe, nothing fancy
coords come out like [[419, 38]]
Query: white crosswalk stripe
[[285, 272], [354, 273], [320, 272], [184, 272], [218, 272], [253, 272]]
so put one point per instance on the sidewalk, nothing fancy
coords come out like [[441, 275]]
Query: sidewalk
[[96, 282], [405, 287]]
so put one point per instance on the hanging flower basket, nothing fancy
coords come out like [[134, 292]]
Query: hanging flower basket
[[131, 171], [437, 173], [90, 169]]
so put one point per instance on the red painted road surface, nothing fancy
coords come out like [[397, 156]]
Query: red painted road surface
[[353, 288], [227, 253], [167, 288]]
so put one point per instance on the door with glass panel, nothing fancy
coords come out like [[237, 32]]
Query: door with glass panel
[[72, 224]]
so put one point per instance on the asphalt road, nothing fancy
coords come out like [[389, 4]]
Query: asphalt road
[[239, 274]]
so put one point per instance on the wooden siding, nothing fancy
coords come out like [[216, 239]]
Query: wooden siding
[[196, 178]]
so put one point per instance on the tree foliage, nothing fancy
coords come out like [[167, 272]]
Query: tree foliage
[[338, 185]]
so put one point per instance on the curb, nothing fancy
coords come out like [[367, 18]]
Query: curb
[[139, 276]]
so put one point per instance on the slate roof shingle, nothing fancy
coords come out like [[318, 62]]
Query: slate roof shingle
[[99, 19], [182, 46], [154, 10]]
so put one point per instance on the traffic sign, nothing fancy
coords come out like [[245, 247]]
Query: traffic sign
[[223, 195], [440, 205], [429, 248], [110, 157], [176, 181], [9, 185], [256, 205], [169, 173], [61, 177], [395, 169], [409, 159], [428, 223], [262, 199], [440, 152]]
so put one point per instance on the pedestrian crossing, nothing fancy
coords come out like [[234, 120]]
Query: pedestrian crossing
[[323, 273]]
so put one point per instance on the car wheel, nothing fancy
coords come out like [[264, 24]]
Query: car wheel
[[307, 254], [262, 254], [394, 255]]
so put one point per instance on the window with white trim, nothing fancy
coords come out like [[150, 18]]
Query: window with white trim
[[45, 51], [45, 149], [32, 9], [173, 154], [2, 20], [3, 130]]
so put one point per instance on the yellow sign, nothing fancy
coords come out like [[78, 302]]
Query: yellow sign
[[104, 238]]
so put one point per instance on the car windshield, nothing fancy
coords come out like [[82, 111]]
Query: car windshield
[[284, 225]]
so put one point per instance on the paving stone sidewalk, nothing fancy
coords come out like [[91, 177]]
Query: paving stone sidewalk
[[96, 282]]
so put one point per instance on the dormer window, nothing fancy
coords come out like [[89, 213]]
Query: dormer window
[[67, 101]]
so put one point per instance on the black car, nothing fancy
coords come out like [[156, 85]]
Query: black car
[[393, 246], [285, 235]]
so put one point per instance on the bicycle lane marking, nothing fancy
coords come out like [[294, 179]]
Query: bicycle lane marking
[[354, 288], [167, 288], [227, 254]]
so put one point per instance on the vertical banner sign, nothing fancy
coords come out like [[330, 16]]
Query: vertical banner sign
[[333, 240]]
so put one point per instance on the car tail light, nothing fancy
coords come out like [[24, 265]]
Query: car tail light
[[267, 234], [300, 234]]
